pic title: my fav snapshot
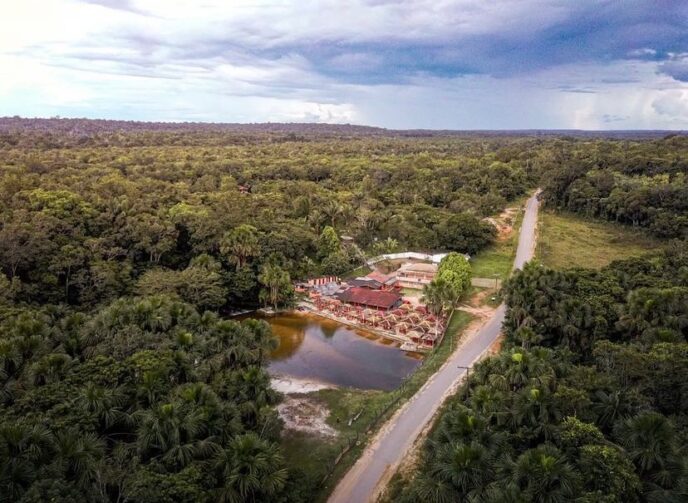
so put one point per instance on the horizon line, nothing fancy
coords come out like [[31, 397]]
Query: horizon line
[[334, 124]]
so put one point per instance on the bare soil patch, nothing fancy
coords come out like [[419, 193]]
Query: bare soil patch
[[302, 413]]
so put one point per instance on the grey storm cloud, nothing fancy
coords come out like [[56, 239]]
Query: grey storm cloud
[[676, 67], [534, 63]]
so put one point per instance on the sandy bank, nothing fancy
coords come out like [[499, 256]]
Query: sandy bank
[[289, 385]]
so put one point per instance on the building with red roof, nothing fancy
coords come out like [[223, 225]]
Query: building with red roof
[[365, 297]]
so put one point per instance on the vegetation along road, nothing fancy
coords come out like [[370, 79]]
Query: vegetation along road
[[381, 458]]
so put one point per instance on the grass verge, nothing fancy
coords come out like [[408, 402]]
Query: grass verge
[[497, 260], [566, 240]]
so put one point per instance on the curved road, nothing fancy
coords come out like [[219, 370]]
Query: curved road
[[380, 460]]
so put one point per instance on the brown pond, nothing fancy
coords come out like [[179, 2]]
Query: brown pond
[[316, 348]]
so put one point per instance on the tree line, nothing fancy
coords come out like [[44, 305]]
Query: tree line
[[640, 184]]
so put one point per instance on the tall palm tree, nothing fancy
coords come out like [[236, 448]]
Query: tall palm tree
[[439, 297], [333, 209], [240, 244], [276, 280]]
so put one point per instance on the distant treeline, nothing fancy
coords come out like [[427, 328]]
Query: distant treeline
[[80, 127]]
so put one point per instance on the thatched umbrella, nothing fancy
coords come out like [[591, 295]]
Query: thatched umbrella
[[414, 335], [406, 307], [425, 324], [388, 323], [402, 327]]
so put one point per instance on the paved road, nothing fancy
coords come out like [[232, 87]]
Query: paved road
[[380, 459]]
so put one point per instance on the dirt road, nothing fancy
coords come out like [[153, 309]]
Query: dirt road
[[380, 459]]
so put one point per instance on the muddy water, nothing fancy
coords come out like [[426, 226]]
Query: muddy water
[[323, 350]]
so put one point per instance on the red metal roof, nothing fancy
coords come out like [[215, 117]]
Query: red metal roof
[[367, 297], [382, 278]]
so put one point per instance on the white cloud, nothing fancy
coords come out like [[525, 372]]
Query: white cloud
[[673, 104]]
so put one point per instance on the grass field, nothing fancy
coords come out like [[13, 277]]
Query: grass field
[[497, 260], [566, 240], [315, 455]]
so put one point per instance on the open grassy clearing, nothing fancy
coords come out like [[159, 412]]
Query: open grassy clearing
[[497, 260], [315, 455], [567, 240]]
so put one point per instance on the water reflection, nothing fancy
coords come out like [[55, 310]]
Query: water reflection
[[315, 348]]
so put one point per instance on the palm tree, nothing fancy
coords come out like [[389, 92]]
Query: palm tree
[[173, 432], [609, 406], [333, 209], [277, 281], [433, 490], [23, 450], [103, 403], [254, 387], [648, 438], [544, 475], [466, 466], [10, 359], [240, 245], [78, 455], [438, 296], [159, 429], [251, 470], [262, 336], [50, 368]]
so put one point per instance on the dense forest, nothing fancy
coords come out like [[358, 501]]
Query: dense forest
[[123, 247], [636, 184]]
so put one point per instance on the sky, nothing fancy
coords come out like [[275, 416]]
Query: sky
[[403, 64]]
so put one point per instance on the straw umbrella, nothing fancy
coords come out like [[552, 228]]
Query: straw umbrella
[[402, 327], [414, 335], [425, 325]]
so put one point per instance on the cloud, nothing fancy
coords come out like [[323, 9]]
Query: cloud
[[643, 52], [673, 104], [676, 67], [401, 63]]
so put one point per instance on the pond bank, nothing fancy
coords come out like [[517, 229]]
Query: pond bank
[[289, 385]]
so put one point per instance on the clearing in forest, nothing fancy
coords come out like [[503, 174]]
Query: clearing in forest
[[566, 240]]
